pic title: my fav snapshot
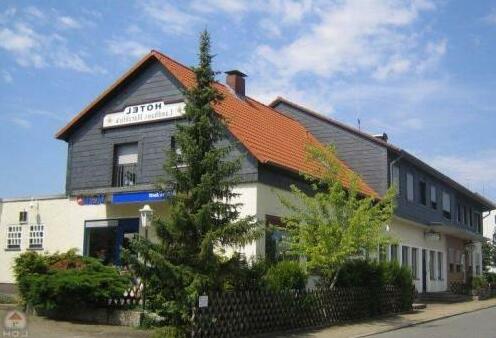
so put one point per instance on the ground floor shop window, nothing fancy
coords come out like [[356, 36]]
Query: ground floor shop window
[[104, 239]]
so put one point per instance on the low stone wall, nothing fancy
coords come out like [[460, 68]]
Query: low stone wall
[[106, 316], [257, 312]]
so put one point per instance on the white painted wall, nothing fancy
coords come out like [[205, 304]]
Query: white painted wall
[[411, 235]]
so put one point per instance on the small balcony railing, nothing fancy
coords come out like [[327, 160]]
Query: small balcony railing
[[124, 175]]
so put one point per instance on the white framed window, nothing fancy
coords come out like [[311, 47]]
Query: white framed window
[[394, 253], [14, 235], [446, 205], [440, 265], [36, 235], [404, 255], [432, 265], [409, 187], [415, 263]]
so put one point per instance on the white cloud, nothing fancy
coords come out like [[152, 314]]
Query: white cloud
[[350, 36], [229, 6], [270, 28], [68, 22], [23, 123], [490, 18], [6, 77], [169, 18], [128, 48], [32, 46], [476, 171], [35, 12]]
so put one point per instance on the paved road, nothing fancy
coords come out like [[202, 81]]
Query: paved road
[[44, 328], [479, 324]]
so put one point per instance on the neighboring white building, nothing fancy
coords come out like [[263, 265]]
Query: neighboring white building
[[489, 220]]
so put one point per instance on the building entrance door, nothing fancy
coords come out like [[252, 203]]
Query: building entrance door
[[104, 239], [424, 271]]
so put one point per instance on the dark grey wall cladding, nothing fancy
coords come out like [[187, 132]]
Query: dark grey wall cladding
[[366, 158], [91, 149], [425, 214]]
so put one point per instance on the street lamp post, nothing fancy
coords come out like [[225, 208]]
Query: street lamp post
[[146, 215]]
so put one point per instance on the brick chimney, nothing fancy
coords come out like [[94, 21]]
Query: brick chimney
[[236, 81]]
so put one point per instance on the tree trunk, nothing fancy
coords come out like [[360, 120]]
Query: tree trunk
[[335, 278]]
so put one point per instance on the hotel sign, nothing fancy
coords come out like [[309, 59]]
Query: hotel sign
[[144, 113]]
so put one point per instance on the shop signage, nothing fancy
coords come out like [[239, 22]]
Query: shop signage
[[91, 200], [140, 196], [143, 113]]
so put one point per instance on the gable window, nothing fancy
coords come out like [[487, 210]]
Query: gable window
[[446, 205], [23, 217], [14, 233], [433, 197], [125, 164], [36, 234], [409, 187], [176, 149], [423, 192]]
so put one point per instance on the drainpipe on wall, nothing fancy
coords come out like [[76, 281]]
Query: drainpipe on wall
[[391, 169]]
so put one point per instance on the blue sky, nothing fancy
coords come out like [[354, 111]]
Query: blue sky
[[423, 71]]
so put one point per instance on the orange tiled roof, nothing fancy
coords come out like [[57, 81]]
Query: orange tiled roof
[[269, 136]]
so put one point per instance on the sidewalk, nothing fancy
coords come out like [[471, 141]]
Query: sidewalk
[[384, 324]]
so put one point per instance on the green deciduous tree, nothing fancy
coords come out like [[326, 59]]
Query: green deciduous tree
[[334, 223], [188, 258]]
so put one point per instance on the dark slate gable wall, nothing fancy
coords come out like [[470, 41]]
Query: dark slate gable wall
[[91, 149], [366, 158]]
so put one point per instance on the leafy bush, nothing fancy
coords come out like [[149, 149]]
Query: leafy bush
[[66, 280], [478, 282], [490, 277], [285, 275], [372, 274]]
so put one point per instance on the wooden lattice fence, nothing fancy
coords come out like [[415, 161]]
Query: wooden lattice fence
[[255, 312]]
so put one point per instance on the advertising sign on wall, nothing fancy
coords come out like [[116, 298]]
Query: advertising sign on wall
[[140, 196], [143, 113], [91, 200]]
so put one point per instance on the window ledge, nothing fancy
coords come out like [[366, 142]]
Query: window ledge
[[35, 249], [12, 249]]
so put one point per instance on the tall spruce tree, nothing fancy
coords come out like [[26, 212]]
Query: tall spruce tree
[[187, 260]]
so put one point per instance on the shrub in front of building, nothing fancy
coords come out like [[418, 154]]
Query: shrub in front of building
[[65, 281], [377, 275], [285, 275]]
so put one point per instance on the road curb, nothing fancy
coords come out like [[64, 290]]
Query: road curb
[[399, 327]]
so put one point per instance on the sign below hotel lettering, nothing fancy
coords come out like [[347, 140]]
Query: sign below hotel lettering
[[91, 200], [144, 113], [140, 196]]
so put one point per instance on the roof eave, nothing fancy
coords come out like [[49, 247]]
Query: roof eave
[[63, 133]]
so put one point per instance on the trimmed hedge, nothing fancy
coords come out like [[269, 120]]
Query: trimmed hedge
[[60, 281]]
